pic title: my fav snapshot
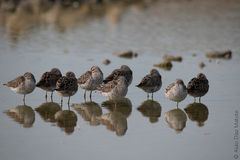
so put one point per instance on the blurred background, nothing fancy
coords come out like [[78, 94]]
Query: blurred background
[[73, 35]]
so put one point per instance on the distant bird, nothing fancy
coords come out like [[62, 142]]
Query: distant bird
[[90, 80], [48, 81], [123, 71], [23, 84], [198, 87], [176, 91], [67, 86], [114, 89], [151, 83]]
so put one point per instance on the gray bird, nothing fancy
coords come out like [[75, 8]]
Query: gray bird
[[151, 82], [123, 71]]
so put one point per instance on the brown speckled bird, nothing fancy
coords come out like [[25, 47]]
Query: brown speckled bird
[[198, 86]]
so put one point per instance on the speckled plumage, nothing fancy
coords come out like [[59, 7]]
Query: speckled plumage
[[90, 80], [123, 71], [67, 86], [152, 82], [198, 87], [48, 80], [114, 89]]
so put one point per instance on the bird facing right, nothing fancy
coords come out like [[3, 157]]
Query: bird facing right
[[151, 83], [198, 86], [176, 91]]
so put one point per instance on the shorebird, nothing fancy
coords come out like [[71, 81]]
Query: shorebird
[[198, 87], [123, 71], [24, 84], [67, 86], [114, 89], [176, 91], [90, 80], [151, 83], [48, 81]]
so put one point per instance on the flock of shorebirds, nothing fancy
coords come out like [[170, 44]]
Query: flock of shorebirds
[[114, 86]]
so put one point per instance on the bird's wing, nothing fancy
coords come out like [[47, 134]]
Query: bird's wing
[[83, 78], [116, 73], [193, 84], [72, 83], [62, 83], [15, 83], [44, 81], [169, 87], [146, 81], [108, 86]]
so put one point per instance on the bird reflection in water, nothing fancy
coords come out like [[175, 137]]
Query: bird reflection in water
[[47, 111], [89, 111], [151, 109], [22, 114], [116, 119], [67, 120], [197, 112], [123, 105], [176, 119]]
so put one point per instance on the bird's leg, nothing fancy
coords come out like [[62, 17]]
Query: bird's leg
[[68, 100], [46, 96], [199, 99], [194, 99], [61, 101], [177, 104], [52, 96], [115, 105], [147, 96], [152, 96], [90, 95], [85, 95], [69, 103], [24, 99]]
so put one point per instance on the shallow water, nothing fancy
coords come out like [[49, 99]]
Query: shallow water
[[180, 28]]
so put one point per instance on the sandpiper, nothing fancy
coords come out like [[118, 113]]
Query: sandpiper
[[67, 86], [48, 81], [90, 80], [123, 71], [198, 87], [151, 83], [114, 89], [176, 91], [24, 84]]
